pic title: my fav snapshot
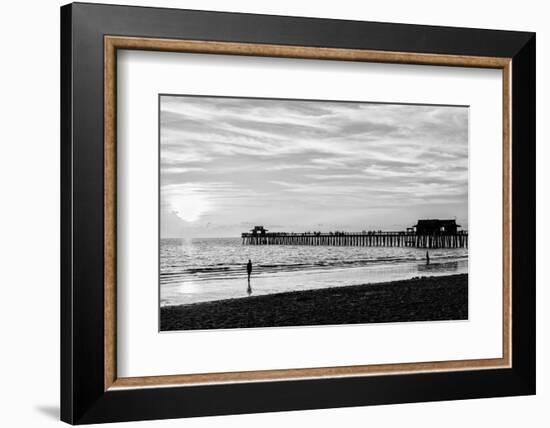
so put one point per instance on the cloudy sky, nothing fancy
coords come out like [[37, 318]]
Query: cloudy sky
[[228, 164]]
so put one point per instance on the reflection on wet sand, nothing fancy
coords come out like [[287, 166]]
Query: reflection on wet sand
[[438, 267]]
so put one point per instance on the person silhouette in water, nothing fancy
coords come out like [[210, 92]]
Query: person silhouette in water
[[249, 271]]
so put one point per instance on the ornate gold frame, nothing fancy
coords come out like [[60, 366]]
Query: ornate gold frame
[[113, 43]]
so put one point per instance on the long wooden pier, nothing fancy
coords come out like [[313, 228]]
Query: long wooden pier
[[360, 239]]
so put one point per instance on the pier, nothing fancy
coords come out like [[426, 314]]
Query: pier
[[426, 234]]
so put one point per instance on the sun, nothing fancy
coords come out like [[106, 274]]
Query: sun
[[190, 205]]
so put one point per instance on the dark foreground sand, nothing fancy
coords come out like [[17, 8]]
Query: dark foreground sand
[[418, 299]]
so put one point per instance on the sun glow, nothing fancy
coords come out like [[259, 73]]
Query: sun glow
[[190, 205]]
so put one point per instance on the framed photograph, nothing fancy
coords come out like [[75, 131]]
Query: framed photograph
[[266, 213]]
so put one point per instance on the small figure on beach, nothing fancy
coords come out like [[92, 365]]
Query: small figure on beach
[[427, 258], [249, 271], [249, 268]]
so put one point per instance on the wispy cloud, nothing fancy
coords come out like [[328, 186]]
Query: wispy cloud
[[285, 162]]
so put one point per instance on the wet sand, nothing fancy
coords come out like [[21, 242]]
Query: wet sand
[[418, 299]]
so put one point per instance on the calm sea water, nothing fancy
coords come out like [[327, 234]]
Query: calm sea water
[[202, 270]]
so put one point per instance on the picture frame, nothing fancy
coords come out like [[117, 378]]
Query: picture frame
[[91, 35]]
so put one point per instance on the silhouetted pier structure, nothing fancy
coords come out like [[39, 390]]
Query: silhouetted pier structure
[[425, 234]]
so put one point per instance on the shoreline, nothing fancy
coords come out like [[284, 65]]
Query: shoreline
[[432, 298]]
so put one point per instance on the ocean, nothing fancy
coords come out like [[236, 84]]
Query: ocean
[[202, 270]]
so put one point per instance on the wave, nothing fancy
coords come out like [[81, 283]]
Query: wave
[[175, 273]]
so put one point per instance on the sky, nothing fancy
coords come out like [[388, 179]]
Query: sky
[[228, 164]]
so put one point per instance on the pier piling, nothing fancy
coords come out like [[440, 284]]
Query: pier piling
[[458, 239]]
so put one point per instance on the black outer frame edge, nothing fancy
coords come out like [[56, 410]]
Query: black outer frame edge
[[169, 403], [524, 213], [133, 21], [83, 398], [66, 306]]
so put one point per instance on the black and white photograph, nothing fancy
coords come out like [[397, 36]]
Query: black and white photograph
[[244, 214], [283, 212]]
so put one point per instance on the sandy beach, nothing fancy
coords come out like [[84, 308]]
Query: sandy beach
[[417, 299]]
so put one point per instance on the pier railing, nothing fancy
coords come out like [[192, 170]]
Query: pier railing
[[360, 239]]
